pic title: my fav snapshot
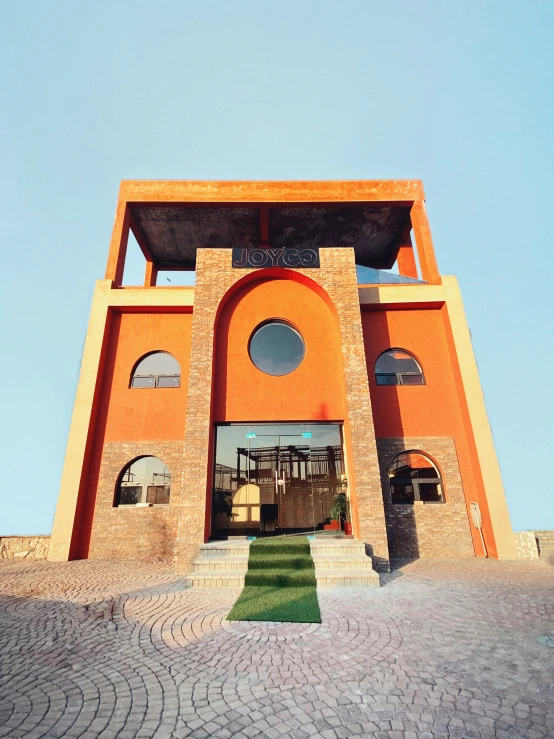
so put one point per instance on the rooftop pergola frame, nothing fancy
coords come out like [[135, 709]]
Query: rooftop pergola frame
[[171, 219]]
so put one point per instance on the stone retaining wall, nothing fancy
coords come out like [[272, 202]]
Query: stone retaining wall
[[535, 545], [526, 545], [545, 543], [24, 547]]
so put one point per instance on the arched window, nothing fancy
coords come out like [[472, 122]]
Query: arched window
[[397, 367], [412, 477], [159, 369], [146, 481]]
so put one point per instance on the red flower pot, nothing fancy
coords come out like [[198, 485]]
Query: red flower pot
[[348, 528]]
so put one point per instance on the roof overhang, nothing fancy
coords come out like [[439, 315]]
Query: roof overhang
[[172, 219]]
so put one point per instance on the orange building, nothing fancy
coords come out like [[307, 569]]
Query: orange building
[[296, 369]]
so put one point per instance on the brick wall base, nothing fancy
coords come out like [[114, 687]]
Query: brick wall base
[[431, 530], [128, 532]]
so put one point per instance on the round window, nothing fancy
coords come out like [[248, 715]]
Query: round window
[[276, 348]]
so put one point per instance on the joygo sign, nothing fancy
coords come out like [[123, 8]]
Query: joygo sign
[[247, 258]]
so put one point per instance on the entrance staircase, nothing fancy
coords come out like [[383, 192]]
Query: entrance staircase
[[221, 564], [342, 561], [337, 561]]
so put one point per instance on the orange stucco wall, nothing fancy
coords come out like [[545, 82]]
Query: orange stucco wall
[[315, 391], [133, 414], [136, 414], [437, 408]]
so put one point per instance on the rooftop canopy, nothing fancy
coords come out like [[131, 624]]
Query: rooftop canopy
[[172, 219]]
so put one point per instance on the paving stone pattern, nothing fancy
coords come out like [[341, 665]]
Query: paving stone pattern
[[125, 649]]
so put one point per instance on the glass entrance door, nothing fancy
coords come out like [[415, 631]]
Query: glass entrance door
[[275, 478]]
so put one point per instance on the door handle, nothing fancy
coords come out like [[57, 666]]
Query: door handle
[[280, 483]]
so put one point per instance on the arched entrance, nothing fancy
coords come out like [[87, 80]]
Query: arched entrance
[[278, 411]]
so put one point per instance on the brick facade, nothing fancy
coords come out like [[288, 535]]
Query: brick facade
[[128, 532], [427, 529], [337, 276]]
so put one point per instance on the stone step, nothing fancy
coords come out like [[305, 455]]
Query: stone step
[[344, 578], [338, 547], [220, 564], [321, 561], [220, 549], [223, 579], [342, 562]]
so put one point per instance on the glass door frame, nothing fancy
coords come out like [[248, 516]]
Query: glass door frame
[[280, 480], [304, 427]]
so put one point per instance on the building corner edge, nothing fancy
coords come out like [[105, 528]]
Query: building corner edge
[[482, 432]]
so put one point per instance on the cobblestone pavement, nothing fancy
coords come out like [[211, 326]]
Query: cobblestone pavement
[[120, 649]]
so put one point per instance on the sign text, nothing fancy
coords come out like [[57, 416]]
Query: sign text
[[245, 258]]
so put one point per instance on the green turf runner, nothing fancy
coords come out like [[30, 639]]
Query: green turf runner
[[280, 583]]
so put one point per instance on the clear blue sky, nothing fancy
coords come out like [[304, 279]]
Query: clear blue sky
[[459, 95]]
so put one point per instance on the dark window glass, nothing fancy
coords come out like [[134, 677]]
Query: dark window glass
[[157, 494], [412, 473], [398, 364], [159, 369], [396, 360], [430, 492], [143, 382], [387, 379], [130, 494], [412, 379], [402, 492], [410, 464], [146, 480], [158, 363], [169, 381], [276, 348], [425, 472]]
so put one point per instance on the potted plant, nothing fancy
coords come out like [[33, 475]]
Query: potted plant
[[340, 508]]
